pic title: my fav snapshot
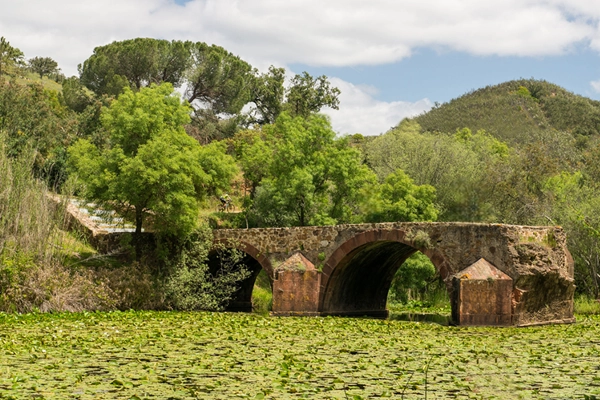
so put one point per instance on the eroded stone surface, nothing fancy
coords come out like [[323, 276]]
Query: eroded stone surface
[[535, 258], [296, 287], [482, 295]]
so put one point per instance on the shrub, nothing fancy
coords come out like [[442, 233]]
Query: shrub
[[133, 286], [412, 279], [192, 284]]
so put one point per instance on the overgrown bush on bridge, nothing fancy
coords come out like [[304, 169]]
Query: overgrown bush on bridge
[[193, 286]]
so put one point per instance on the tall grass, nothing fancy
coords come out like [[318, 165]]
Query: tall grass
[[33, 275], [26, 218], [584, 305]]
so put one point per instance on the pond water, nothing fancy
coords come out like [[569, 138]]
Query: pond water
[[135, 355]]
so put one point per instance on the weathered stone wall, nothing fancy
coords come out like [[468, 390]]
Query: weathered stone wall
[[536, 258], [296, 287]]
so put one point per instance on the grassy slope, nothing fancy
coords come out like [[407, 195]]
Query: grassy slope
[[514, 115], [30, 77]]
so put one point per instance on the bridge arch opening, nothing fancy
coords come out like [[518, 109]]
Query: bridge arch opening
[[359, 274], [250, 259]]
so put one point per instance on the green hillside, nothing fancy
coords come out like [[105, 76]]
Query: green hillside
[[515, 111]]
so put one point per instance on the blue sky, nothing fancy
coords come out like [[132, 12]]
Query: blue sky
[[391, 58], [442, 76]]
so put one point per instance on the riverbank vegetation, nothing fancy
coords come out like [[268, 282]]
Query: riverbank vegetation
[[159, 130]]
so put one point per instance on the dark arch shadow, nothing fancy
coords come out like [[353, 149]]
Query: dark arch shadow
[[242, 300], [358, 275]]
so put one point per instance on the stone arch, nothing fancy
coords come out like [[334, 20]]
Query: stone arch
[[357, 276], [255, 261], [252, 251]]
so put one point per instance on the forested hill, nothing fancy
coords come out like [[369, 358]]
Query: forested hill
[[515, 111]]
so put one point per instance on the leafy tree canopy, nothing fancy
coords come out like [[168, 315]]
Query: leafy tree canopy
[[137, 62], [34, 117], [308, 95], [575, 207], [215, 82], [75, 95], [10, 57], [461, 166], [303, 175], [303, 96], [217, 79], [136, 117], [43, 66], [210, 76], [151, 167], [399, 199]]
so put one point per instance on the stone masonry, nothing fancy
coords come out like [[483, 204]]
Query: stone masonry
[[496, 274], [348, 269]]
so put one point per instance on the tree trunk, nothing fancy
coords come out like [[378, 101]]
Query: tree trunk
[[302, 214], [137, 236]]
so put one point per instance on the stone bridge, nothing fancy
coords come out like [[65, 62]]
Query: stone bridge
[[495, 274]]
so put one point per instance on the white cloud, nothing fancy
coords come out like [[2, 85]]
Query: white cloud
[[596, 85], [361, 113], [335, 33], [314, 32]]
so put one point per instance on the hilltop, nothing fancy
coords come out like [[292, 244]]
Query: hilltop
[[515, 111]]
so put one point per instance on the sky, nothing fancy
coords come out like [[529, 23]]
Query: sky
[[391, 59]]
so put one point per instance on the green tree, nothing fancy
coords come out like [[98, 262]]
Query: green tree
[[151, 168], [304, 95], [193, 286], [307, 176], [75, 95], [217, 80], [399, 199], [10, 57], [32, 116], [463, 167], [267, 95], [308, 95], [218, 85], [43, 66], [252, 147], [519, 183], [413, 278], [212, 77], [137, 63], [575, 205], [435, 160]]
